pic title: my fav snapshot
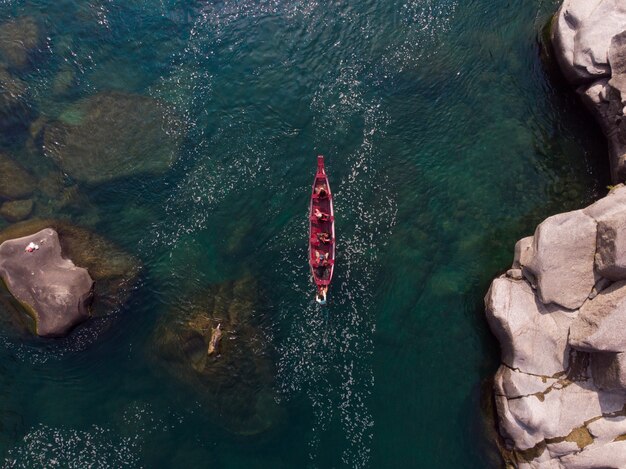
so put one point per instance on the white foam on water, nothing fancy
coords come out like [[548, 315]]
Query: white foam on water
[[51, 447], [424, 24], [95, 446], [327, 352]]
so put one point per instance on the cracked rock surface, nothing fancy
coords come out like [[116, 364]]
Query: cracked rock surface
[[560, 392]]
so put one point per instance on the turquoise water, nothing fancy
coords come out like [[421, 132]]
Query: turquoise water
[[447, 138]]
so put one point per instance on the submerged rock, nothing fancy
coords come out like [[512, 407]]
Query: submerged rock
[[113, 135], [50, 287], [216, 347], [14, 112], [114, 271], [19, 40], [15, 181], [16, 210]]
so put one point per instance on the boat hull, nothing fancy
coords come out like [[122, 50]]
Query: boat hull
[[321, 254]]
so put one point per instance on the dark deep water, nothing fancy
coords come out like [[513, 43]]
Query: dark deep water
[[446, 138]]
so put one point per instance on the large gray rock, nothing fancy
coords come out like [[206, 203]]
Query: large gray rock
[[561, 391], [590, 45], [51, 288], [582, 35], [523, 253], [601, 322], [563, 278], [524, 325]]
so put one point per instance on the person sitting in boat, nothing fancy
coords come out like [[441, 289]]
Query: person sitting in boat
[[323, 237], [321, 216], [321, 191], [321, 295], [321, 258]]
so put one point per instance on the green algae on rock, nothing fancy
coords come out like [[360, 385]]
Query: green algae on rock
[[113, 270], [215, 346], [15, 181], [107, 136], [19, 39]]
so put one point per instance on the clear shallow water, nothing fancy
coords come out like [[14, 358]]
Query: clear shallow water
[[446, 138]]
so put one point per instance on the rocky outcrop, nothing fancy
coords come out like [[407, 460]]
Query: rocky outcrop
[[113, 135], [114, 271], [50, 287], [560, 391], [216, 347], [560, 311], [589, 39]]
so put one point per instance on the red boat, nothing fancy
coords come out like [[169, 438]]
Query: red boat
[[321, 233]]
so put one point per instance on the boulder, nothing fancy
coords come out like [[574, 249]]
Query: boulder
[[524, 325], [561, 390], [582, 34], [589, 39], [19, 40], [601, 322], [16, 210], [215, 346], [563, 278], [146, 137], [49, 286], [114, 271], [523, 252], [609, 370], [15, 181]]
